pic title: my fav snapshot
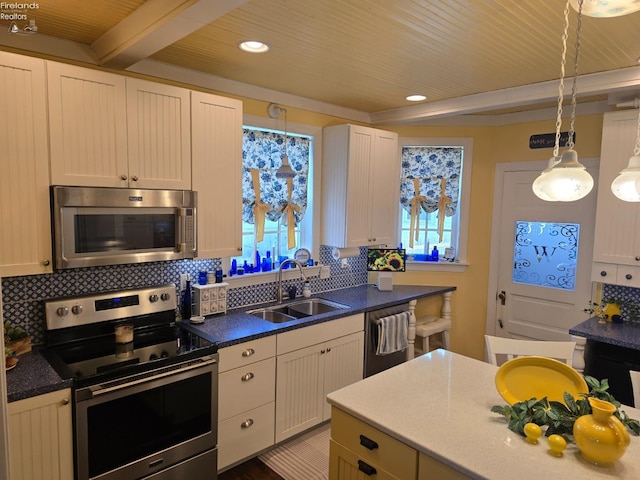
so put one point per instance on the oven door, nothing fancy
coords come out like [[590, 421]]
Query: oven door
[[135, 428]]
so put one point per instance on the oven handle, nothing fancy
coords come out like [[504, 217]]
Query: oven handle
[[97, 390]]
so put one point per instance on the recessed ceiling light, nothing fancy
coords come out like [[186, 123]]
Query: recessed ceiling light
[[254, 46], [416, 98]]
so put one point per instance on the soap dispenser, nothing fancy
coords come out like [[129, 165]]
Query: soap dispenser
[[306, 290]]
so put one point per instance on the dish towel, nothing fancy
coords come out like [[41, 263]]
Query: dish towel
[[392, 333]]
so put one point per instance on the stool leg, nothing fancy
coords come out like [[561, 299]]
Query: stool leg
[[445, 339], [425, 344]]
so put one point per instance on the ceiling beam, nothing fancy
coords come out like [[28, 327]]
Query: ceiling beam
[[591, 84], [154, 26]]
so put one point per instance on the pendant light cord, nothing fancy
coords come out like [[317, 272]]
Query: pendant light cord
[[563, 61], [575, 78], [636, 151]]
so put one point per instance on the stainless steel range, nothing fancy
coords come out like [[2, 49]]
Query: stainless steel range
[[145, 389]]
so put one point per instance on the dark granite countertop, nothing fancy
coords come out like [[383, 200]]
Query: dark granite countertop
[[239, 326], [34, 376], [625, 334]]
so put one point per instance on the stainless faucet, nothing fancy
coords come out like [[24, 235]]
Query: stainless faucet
[[295, 262]]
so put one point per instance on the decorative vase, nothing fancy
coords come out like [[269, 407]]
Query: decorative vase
[[601, 437]]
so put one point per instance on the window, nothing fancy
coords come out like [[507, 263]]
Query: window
[[434, 197], [263, 148]]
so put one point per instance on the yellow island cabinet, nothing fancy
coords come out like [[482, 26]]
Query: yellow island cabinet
[[430, 418]]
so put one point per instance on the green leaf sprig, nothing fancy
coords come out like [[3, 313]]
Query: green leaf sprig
[[559, 417]]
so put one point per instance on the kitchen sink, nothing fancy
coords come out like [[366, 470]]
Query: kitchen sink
[[297, 309]]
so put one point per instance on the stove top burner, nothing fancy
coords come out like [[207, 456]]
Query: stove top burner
[[84, 346]]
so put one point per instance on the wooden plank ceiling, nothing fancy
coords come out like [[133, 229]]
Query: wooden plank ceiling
[[365, 55]]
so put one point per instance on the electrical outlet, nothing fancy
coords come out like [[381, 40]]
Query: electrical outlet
[[344, 263], [325, 271], [183, 281]]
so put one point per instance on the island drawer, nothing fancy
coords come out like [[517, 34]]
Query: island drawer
[[344, 465], [373, 446]]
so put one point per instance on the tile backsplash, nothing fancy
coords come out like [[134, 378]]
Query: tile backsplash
[[630, 296], [23, 297]]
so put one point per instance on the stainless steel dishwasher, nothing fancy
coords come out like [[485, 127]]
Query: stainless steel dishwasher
[[377, 363]]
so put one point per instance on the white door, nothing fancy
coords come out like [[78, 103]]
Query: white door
[[544, 255]]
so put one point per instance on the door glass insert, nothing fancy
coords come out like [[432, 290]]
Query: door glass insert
[[545, 254]]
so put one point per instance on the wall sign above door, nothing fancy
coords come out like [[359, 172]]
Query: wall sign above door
[[548, 140]]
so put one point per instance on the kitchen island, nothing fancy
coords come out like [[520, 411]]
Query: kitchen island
[[609, 350], [439, 407]]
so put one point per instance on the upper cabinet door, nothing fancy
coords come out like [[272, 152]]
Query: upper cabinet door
[[617, 233], [360, 186], [87, 126], [159, 127], [24, 184], [217, 173]]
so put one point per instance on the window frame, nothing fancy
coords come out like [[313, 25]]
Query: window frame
[[463, 206]]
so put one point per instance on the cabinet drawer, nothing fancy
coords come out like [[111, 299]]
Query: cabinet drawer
[[394, 456], [319, 333], [604, 272], [247, 387], [246, 353], [346, 465], [628, 276], [246, 434]]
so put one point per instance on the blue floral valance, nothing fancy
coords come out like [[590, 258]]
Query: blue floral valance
[[264, 151], [430, 181]]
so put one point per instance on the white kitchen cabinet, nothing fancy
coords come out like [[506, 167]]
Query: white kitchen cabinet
[[617, 233], [107, 130], [24, 184], [360, 186], [41, 437], [158, 135], [246, 400], [311, 363], [217, 173]]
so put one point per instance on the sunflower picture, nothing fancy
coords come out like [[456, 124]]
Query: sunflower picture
[[386, 260]]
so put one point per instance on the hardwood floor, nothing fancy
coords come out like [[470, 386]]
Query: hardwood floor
[[252, 469]]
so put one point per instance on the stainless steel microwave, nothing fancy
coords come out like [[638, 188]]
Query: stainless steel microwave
[[95, 226]]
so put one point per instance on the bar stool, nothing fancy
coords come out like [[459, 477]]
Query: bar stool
[[431, 325]]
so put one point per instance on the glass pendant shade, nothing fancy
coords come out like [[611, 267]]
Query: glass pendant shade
[[607, 8], [626, 186], [568, 181], [285, 170], [540, 183]]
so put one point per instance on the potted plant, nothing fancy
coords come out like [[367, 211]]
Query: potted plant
[[609, 309], [16, 339]]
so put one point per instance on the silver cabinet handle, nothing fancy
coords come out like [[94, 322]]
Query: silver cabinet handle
[[637, 259], [134, 178], [248, 352], [65, 401], [603, 273], [628, 276], [123, 177], [247, 423], [247, 376], [46, 263]]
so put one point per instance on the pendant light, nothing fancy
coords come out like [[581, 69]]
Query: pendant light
[[285, 170], [626, 186], [565, 179], [608, 8]]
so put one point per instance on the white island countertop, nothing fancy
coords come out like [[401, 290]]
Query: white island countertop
[[440, 404]]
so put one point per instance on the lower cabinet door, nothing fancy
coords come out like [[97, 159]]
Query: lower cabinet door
[[346, 465], [245, 435], [41, 437], [431, 469]]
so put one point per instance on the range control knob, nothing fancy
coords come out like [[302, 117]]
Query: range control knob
[[77, 309], [153, 298], [165, 297], [62, 311]]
